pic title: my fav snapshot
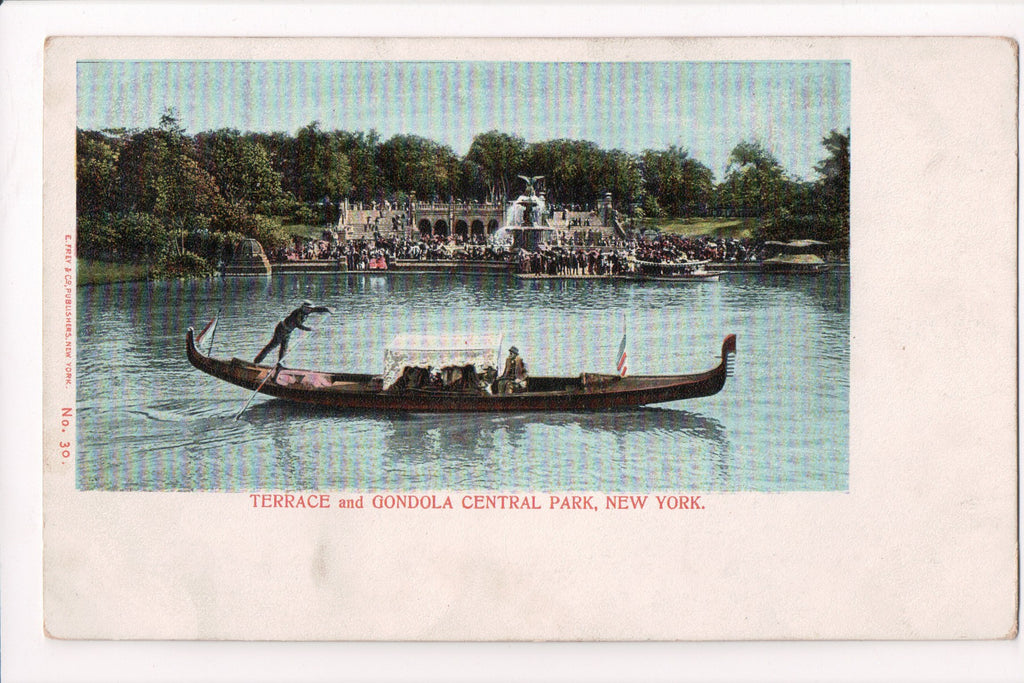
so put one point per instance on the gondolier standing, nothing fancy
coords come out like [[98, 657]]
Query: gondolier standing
[[285, 328]]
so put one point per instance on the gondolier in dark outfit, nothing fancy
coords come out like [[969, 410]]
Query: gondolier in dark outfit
[[513, 379], [285, 328]]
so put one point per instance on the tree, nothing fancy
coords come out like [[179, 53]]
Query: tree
[[281, 150], [698, 186], [159, 173], [677, 183], [473, 181], [179, 191], [835, 173], [818, 210], [96, 171], [572, 169], [500, 157], [321, 166], [410, 163], [185, 189], [187, 198], [621, 176], [755, 182], [241, 166], [361, 151], [170, 124], [140, 165]]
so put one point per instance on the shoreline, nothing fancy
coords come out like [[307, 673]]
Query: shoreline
[[102, 273]]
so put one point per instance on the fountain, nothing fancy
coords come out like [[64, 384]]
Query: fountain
[[526, 220]]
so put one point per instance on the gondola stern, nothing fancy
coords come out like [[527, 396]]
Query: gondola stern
[[191, 339], [728, 345], [195, 356], [190, 345], [728, 348]]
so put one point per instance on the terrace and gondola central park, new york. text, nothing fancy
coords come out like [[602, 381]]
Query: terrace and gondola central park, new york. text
[[545, 501]]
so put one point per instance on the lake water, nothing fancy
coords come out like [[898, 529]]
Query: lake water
[[147, 420]]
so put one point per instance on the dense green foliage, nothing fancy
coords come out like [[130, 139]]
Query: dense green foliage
[[183, 265], [159, 196], [675, 184]]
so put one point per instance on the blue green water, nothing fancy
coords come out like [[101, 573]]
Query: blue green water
[[148, 421]]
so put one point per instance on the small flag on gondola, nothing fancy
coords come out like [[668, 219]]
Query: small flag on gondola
[[211, 329], [621, 364]]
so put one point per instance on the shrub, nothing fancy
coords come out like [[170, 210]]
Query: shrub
[[213, 246], [264, 229], [305, 214], [121, 237], [184, 265], [269, 232], [651, 208]]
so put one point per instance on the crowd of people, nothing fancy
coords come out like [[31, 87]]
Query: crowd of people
[[574, 261], [590, 253], [674, 248]]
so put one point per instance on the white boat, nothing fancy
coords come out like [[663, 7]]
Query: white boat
[[674, 271]]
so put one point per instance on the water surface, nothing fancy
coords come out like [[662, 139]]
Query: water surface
[[147, 420]]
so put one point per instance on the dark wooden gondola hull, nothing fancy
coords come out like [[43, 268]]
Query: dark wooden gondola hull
[[362, 392]]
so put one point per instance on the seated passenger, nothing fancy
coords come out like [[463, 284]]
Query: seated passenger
[[513, 379], [412, 378], [486, 379], [465, 378], [452, 377]]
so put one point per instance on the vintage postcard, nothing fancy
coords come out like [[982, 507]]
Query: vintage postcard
[[541, 339]]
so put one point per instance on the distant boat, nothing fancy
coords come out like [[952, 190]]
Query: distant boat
[[797, 257], [680, 271], [462, 380]]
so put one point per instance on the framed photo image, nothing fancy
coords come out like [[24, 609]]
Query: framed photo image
[[477, 329]]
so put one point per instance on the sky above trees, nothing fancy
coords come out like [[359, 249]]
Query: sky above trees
[[706, 108]]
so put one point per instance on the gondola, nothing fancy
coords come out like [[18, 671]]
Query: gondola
[[798, 257], [388, 391], [796, 264]]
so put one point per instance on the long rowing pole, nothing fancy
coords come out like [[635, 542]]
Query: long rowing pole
[[272, 371]]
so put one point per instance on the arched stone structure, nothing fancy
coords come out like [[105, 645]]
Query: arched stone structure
[[477, 228], [425, 227], [458, 217]]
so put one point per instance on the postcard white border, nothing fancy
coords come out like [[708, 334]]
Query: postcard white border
[[26, 210]]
